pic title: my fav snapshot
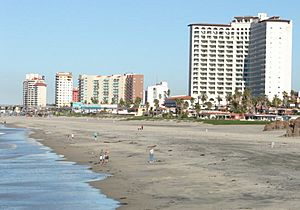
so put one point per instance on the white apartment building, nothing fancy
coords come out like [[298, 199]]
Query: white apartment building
[[86, 88], [220, 59], [103, 89], [110, 89], [34, 91], [158, 91], [270, 56], [63, 89]]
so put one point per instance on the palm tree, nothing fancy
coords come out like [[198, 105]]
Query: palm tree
[[178, 105], [94, 100], [147, 108], [285, 98], [197, 109], [236, 100], [137, 102], [156, 104], [128, 103], [219, 99], [247, 100], [121, 103], [186, 105], [228, 98], [208, 104], [276, 101], [203, 97], [192, 102]]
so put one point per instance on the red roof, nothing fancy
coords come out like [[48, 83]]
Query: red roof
[[180, 97], [40, 84]]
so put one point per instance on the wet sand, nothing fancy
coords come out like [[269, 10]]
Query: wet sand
[[198, 166]]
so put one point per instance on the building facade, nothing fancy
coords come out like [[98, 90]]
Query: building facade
[[34, 91], [159, 91], [75, 97], [86, 88], [63, 89], [109, 89], [134, 87], [270, 57], [225, 57]]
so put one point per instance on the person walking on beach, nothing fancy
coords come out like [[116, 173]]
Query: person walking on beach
[[101, 157], [106, 156], [151, 155], [72, 136], [95, 136]]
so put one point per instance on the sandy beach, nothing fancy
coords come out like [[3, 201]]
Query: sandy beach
[[197, 166]]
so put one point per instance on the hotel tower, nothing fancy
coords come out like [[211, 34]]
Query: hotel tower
[[63, 89], [251, 51], [34, 91]]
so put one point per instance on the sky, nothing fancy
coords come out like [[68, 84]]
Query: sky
[[101, 37]]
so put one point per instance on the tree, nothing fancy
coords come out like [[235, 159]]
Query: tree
[[137, 102], [285, 98], [156, 104], [219, 99], [197, 109], [203, 97], [128, 103], [228, 98], [186, 105], [121, 103], [179, 103], [147, 108], [94, 100], [246, 101], [192, 102], [276, 101], [105, 101], [112, 101], [236, 101], [208, 104]]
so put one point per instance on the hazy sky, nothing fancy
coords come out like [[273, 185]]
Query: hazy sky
[[106, 37]]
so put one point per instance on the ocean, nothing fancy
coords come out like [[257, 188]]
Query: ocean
[[34, 177]]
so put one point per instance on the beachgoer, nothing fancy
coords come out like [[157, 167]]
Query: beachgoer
[[106, 156], [151, 155], [95, 136], [101, 157], [142, 127], [72, 136]]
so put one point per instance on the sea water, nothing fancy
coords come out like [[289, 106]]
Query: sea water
[[34, 177]]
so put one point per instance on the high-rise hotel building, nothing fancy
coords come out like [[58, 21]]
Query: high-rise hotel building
[[63, 89], [110, 89], [34, 91], [251, 51]]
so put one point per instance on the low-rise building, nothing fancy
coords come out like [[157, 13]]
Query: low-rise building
[[158, 92]]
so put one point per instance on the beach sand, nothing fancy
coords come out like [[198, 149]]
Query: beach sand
[[197, 166]]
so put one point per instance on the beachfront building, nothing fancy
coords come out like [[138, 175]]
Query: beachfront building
[[75, 97], [109, 89], [34, 91], [63, 89], [270, 57], [159, 91], [229, 57], [134, 87], [86, 88]]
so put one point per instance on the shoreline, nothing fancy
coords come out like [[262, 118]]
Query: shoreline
[[198, 166]]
